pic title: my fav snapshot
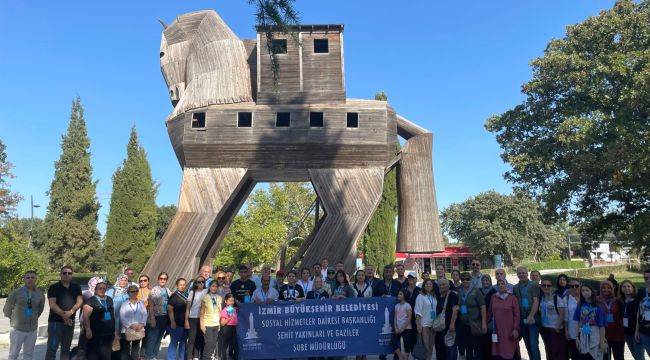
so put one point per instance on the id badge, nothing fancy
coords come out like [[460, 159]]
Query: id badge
[[107, 316], [247, 299], [433, 315], [586, 329], [610, 318], [646, 315], [463, 309], [28, 312], [495, 338], [625, 322], [524, 303]]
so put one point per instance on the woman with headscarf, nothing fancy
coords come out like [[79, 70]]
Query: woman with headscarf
[[87, 294], [487, 290], [504, 312], [119, 295]]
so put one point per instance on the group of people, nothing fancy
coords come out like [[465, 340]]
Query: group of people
[[466, 315]]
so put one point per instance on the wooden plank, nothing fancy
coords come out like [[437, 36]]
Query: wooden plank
[[349, 198], [208, 201]]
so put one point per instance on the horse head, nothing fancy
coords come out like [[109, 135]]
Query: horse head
[[203, 62]]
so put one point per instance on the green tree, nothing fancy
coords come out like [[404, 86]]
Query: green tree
[[8, 199], [379, 239], [16, 259], [21, 227], [270, 218], [579, 142], [71, 219], [510, 225], [132, 221], [165, 215]]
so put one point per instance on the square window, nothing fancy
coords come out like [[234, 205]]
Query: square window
[[316, 119], [283, 119], [245, 119], [321, 46], [198, 120], [353, 120], [279, 46]]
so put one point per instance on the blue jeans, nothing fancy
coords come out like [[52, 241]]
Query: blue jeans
[[645, 342], [530, 333], [635, 348], [176, 349], [155, 337], [58, 335]]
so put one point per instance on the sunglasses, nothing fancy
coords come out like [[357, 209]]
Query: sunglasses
[[66, 273], [221, 278], [475, 264], [144, 280], [545, 285], [162, 278], [200, 282], [133, 292]]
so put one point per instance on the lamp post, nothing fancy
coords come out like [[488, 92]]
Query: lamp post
[[31, 227]]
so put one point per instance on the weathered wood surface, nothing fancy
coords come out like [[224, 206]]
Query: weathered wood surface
[[209, 70], [208, 201], [418, 228], [203, 62], [349, 198]]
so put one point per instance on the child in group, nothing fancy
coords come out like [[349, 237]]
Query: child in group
[[591, 325], [403, 329], [228, 322]]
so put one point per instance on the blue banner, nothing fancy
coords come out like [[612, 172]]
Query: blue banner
[[314, 328]]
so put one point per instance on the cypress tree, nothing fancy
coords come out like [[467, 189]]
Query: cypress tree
[[71, 219], [132, 220], [379, 239]]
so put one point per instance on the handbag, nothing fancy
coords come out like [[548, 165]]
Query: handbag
[[439, 322], [419, 350], [134, 335], [450, 338]]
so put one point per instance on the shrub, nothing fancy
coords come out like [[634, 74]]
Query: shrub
[[16, 259], [555, 264]]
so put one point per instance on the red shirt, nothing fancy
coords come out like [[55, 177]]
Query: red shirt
[[613, 318]]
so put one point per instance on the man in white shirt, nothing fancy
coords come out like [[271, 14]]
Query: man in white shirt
[[265, 294]]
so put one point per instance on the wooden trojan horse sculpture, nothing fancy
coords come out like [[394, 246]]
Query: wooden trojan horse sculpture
[[235, 123]]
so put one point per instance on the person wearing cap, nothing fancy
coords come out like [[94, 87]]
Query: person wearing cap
[[412, 289], [243, 287]]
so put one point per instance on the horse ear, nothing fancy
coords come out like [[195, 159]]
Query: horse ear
[[163, 24]]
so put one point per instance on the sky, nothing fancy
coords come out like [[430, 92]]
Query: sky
[[446, 65]]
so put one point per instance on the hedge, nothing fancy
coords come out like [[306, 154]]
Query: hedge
[[585, 274], [554, 264]]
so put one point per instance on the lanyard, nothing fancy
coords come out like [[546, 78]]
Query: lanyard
[[430, 299], [28, 298], [608, 306], [214, 302], [390, 287], [463, 295], [103, 303], [523, 291]]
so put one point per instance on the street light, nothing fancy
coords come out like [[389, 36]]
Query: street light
[[31, 227]]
